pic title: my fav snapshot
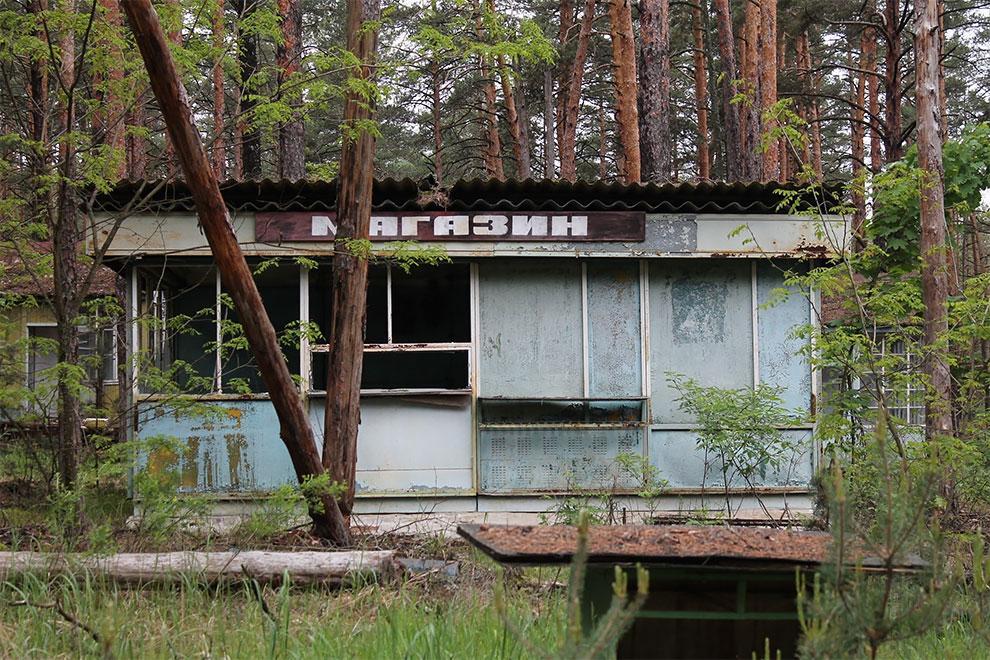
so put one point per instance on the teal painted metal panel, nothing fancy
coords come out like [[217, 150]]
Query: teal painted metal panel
[[614, 339], [684, 465], [236, 449], [554, 459], [700, 326], [781, 362], [530, 339]]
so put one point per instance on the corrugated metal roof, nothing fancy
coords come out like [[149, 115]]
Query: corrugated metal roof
[[469, 195]]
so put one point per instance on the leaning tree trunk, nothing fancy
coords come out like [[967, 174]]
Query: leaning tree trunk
[[288, 56], [624, 72], [654, 88], [295, 429], [730, 110], [934, 269], [350, 271]]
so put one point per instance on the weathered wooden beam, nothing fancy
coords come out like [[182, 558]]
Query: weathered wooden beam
[[295, 430], [339, 568]]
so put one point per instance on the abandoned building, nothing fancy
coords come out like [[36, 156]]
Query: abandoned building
[[521, 366]]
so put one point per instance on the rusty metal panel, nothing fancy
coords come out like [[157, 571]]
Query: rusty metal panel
[[411, 445], [236, 450], [781, 362], [530, 340], [614, 341], [684, 465], [700, 326], [554, 459]]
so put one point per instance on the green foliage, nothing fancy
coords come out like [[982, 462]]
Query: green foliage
[[894, 226], [739, 428]]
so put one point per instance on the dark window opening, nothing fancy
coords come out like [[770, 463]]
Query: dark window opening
[[401, 370], [431, 305]]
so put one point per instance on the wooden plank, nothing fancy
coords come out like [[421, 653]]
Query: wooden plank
[[174, 567]]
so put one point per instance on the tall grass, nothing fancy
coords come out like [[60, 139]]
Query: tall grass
[[192, 620]]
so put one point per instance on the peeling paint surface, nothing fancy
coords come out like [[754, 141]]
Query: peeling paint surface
[[237, 451], [701, 327], [781, 364], [531, 328], [683, 465], [614, 344]]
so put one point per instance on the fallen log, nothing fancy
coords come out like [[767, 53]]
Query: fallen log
[[333, 568]]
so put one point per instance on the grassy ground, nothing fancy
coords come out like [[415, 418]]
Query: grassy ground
[[416, 619]]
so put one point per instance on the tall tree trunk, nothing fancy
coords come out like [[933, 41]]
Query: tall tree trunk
[[218, 151], [250, 142], [489, 118], [654, 88], [752, 127], [934, 269], [66, 267], [38, 113], [730, 111], [872, 97], [569, 118], [350, 271], [602, 145], [857, 131], [175, 38], [288, 59], [108, 118], [295, 429], [624, 74], [701, 89], [767, 71], [565, 66], [894, 146], [436, 111], [517, 123], [548, 126], [522, 112]]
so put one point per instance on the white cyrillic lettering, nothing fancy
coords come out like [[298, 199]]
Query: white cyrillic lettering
[[384, 225], [324, 226], [451, 225], [490, 225], [410, 224], [529, 225], [575, 225]]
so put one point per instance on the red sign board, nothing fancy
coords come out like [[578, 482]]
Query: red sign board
[[308, 226]]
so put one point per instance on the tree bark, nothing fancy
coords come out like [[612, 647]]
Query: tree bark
[[250, 142], [934, 269], [624, 74], [135, 143], [38, 115], [752, 127], [108, 118], [548, 126], [350, 271], [218, 151], [654, 88], [565, 66], [767, 71], [436, 111], [517, 124], [857, 131], [873, 97], [894, 145], [66, 268], [730, 110], [288, 58], [295, 429], [701, 90], [489, 118], [569, 118]]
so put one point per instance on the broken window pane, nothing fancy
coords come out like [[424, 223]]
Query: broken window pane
[[278, 284], [431, 304]]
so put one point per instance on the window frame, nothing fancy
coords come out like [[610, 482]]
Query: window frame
[[391, 346]]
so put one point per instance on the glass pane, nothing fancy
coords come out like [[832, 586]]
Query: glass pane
[[430, 304], [400, 370]]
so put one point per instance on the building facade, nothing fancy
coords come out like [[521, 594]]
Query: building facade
[[539, 351]]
